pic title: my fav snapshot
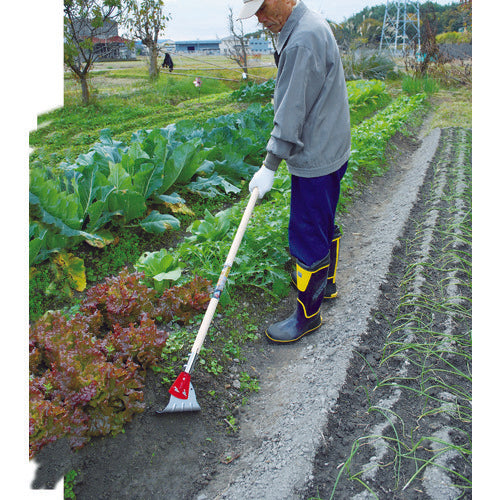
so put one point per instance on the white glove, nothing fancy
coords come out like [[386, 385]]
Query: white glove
[[263, 180]]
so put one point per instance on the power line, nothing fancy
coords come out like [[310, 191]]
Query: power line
[[216, 66], [194, 68], [175, 73]]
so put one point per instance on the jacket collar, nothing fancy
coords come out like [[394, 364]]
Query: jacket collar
[[296, 15]]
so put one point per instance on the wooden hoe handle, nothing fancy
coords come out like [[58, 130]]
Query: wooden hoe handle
[[209, 314]]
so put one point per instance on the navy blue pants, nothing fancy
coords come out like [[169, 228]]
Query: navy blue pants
[[312, 215]]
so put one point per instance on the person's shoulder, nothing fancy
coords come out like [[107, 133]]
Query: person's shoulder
[[312, 30], [313, 19]]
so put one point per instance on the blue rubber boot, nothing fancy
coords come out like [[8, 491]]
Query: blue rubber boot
[[311, 284], [331, 286]]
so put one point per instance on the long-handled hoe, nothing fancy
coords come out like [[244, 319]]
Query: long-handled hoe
[[182, 395]]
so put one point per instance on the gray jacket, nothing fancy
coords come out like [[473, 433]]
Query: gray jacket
[[311, 111]]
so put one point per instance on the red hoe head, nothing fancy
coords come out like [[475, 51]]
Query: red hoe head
[[180, 388]]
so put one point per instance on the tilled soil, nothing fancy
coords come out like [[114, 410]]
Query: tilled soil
[[393, 431], [320, 396]]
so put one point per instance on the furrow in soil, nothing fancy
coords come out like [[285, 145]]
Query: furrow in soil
[[401, 426]]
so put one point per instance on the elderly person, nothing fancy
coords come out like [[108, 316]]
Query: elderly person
[[312, 134]]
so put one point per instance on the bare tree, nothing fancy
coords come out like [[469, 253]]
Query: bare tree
[[429, 56], [84, 22], [145, 20], [238, 50]]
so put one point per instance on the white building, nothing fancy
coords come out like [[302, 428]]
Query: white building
[[232, 45]]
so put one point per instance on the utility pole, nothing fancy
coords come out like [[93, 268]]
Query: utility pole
[[401, 27]]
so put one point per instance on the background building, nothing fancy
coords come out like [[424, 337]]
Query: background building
[[260, 46], [108, 44], [206, 46]]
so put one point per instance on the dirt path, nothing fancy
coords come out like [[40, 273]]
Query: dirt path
[[289, 430]]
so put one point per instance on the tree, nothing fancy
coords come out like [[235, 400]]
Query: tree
[[429, 55], [238, 49], [84, 22], [145, 20]]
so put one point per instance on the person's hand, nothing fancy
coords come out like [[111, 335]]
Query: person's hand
[[262, 180]]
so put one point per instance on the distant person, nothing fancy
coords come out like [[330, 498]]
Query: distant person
[[312, 134], [168, 62]]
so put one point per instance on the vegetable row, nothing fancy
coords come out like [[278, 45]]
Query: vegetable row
[[121, 184]]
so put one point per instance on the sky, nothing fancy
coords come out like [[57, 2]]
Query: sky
[[205, 20]]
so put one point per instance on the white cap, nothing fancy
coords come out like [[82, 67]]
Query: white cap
[[250, 7]]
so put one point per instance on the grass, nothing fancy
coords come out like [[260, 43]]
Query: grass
[[412, 85], [129, 245], [375, 103], [453, 108], [441, 358], [134, 103], [126, 101], [69, 484], [235, 328], [71, 130]]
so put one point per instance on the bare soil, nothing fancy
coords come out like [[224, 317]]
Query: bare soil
[[294, 434], [364, 404]]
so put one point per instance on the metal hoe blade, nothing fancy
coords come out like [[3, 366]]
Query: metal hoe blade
[[179, 405]]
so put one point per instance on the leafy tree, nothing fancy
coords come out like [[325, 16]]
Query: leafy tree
[[466, 11], [376, 12], [84, 21], [145, 20]]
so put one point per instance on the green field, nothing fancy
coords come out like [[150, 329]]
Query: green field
[[152, 177], [124, 100]]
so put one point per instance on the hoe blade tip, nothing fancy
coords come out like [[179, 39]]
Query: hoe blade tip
[[176, 404]]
